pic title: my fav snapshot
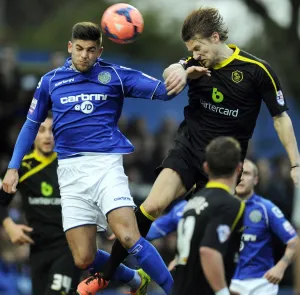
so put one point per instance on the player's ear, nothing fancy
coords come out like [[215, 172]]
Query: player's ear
[[70, 47], [239, 168], [206, 168], [255, 180], [100, 51], [215, 37]]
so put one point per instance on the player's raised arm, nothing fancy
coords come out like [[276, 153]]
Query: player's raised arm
[[176, 75], [271, 91], [140, 85], [36, 115]]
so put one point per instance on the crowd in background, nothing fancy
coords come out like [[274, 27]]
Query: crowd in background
[[16, 91]]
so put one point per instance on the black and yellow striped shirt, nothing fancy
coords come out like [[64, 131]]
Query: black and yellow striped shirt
[[228, 102], [41, 201]]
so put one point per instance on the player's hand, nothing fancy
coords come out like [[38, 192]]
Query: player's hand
[[176, 80], [275, 274], [18, 234], [10, 181], [172, 265], [295, 174], [196, 72]]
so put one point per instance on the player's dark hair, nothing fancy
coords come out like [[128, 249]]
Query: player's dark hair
[[203, 22], [223, 155], [87, 31]]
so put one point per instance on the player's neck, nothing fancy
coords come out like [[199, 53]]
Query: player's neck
[[42, 155], [224, 52], [229, 182], [247, 196]]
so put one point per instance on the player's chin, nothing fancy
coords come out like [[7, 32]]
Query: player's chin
[[83, 67], [46, 150]]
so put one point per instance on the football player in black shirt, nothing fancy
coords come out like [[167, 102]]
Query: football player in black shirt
[[209, 233], [52, 267], [226, 88]]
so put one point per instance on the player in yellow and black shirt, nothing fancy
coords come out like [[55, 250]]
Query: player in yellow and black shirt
[[209, 233], [52, 267]]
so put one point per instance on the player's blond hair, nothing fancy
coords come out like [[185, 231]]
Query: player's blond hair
[[203, 22]]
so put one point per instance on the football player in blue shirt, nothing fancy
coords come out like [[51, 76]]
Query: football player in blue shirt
[[256, 272], [86, 96]]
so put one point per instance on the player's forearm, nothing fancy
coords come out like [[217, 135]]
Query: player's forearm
[[8, 223], [285, 131], [24, 142], [289, 253], [170, 69], [213, 268], [161, 93]]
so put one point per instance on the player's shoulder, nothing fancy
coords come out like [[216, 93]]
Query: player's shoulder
[[220, 197], [253, 60], [269, 206], [46, 78], [101, 63]]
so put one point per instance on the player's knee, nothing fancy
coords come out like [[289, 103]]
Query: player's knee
[[83, 260], [127, 236]]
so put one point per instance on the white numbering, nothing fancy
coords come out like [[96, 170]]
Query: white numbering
[[60, 281], [185, 232]]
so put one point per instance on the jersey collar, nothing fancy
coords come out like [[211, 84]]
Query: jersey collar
[[230, 58], [251, 199], [46, 160], [216, 184]]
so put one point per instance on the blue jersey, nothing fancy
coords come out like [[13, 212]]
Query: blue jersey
[[87, 106], [262, 219], [167, 223]]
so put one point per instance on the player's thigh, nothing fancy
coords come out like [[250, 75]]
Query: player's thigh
[[167, 187], [122, 222], [82, 242], [63, 275], [178, 174], [238, 287], [39, 264]]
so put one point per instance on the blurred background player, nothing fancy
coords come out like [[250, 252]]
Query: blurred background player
[[53, 271], [256, 272], [208, 235], [86, 96], [226, 87]]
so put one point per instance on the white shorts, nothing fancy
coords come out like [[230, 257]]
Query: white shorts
[[90, 187], [259, 286]]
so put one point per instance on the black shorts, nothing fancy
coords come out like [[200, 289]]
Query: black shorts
[[53, 272], [189, 166]]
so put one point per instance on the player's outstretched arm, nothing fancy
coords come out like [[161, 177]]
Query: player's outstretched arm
[[276, 273], [213, 268], [176, 76], [23, 144], [285, 131]]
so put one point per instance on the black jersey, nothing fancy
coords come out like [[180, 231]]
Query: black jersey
[[38, 185], [228, 102], [214, 219]]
